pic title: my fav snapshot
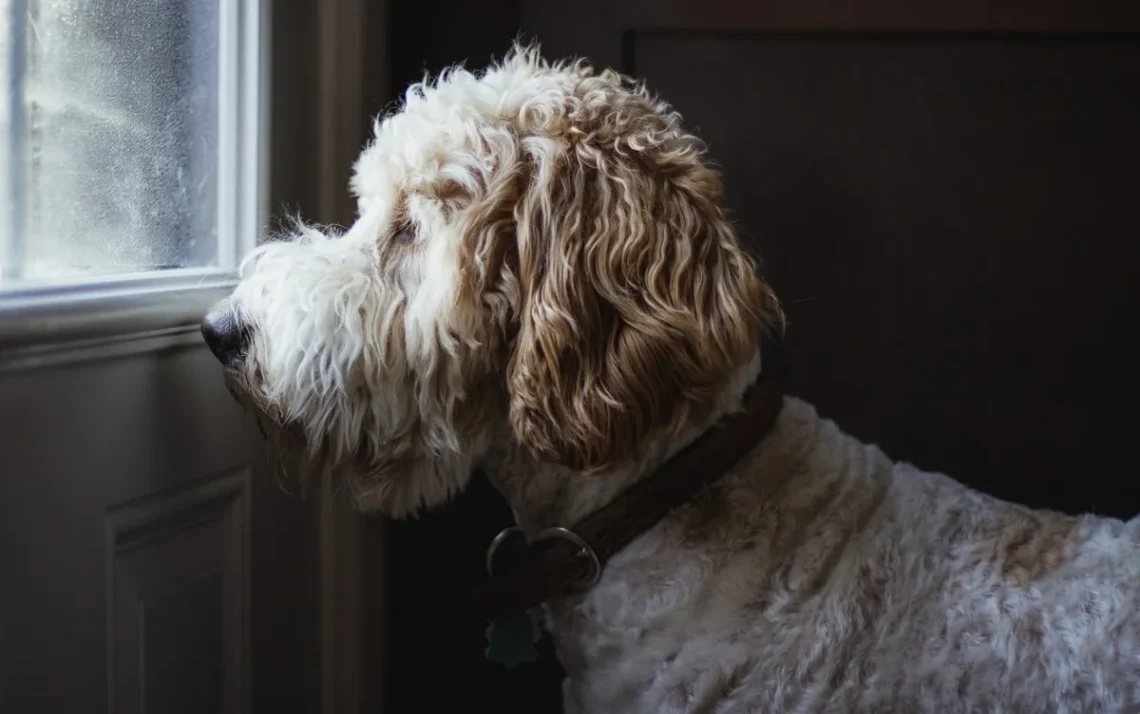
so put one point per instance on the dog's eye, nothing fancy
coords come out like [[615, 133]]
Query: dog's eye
[[404, 233]]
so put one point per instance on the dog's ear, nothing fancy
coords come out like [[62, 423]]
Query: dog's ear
[[637, 302]]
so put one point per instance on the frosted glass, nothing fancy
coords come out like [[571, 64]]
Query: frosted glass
[[120, 138]]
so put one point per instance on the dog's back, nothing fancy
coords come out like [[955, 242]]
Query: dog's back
[[821, 577]]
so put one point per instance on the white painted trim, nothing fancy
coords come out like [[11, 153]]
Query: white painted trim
[[253, 189], [15, 157], [229, 126], [243, 106], [37, 332]]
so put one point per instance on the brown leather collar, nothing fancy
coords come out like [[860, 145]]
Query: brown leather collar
[[559, 561]]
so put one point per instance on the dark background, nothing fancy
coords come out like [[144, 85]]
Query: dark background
[[944, 196]]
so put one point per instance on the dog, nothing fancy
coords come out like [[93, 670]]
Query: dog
[[542, 282]]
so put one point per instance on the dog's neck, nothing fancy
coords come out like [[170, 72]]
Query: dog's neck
[[542, 495]]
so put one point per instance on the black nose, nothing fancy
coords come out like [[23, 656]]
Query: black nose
[[223, 334]]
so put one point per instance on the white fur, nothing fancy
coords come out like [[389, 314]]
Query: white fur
[[833, 583], [817, 577]]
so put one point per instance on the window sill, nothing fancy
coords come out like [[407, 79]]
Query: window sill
[[107, 317]]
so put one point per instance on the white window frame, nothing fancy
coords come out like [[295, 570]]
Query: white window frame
[[152, 309]]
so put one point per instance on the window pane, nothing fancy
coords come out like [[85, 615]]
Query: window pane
[[117, 150]]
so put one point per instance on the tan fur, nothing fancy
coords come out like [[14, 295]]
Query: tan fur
[[1028, 545], [636, 299]]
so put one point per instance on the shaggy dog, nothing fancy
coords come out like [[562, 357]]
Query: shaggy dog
[[542, 282]]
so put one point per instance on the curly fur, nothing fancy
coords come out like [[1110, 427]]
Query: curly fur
[[542, 282]]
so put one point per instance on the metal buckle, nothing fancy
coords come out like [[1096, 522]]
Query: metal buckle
[[584, 551], [552, 533], [494, 547]]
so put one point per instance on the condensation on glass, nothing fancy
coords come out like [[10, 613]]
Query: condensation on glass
[[109, 137]]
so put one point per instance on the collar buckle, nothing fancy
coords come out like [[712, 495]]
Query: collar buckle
[[585, 552]]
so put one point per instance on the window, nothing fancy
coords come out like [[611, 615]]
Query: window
[[130, 143]]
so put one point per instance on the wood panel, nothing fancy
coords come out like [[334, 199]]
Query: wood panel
[[912, 16], [949, 220], [178, 600]]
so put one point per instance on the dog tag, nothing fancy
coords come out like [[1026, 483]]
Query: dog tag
[[511, 641]]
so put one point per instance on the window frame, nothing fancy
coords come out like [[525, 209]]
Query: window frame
[[51, 318]]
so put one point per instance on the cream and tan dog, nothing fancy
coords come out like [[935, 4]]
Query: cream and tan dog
[[542, 282]]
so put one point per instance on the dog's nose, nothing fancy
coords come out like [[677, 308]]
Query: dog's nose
[[223, 334]]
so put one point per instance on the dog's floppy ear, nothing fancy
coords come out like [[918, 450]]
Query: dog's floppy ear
[[637, 303]]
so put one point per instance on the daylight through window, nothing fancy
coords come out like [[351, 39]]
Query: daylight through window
[[113, 138]]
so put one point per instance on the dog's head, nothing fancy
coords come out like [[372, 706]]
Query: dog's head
[[541, 256]]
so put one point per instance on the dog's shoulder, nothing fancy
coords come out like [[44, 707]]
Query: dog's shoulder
[[820, 575]]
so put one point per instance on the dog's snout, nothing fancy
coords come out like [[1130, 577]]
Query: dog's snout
[[223, 333]]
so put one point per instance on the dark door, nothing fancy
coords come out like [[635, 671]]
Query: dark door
[[149, 562]]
